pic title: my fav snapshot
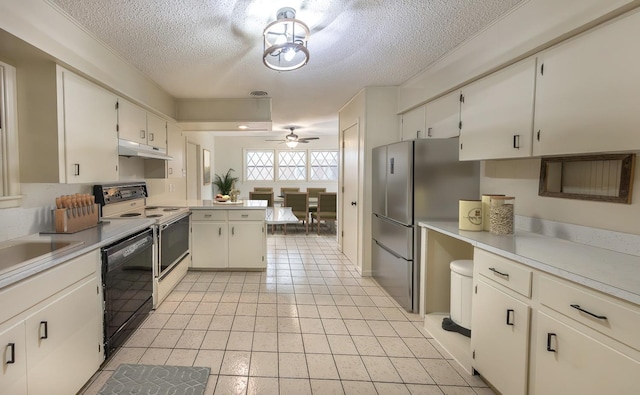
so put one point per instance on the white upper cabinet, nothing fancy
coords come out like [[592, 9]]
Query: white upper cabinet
[[588, 92], [442, 119], [136, 124], [413, 126], [497, 114], [91, 146]]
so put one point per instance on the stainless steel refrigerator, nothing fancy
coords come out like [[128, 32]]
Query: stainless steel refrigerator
[[413, 181]]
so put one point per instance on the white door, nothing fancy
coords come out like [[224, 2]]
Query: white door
[[350, 183], [193, 172]]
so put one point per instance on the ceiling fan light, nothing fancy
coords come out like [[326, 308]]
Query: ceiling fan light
[[292, 143]]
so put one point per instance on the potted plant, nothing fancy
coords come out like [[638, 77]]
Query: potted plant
[[225, 183]]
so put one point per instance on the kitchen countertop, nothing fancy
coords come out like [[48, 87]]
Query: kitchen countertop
[[104, 234], [610, 272], [212, 204]]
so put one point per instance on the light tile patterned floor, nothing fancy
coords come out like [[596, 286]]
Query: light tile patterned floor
[[308, 324]]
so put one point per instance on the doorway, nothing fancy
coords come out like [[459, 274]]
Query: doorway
[[350, 232], [193, 171]]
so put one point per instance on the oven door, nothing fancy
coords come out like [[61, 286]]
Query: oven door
[[173, 241]]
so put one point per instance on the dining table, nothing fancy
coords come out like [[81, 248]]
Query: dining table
[[280, 216], [313, 201]]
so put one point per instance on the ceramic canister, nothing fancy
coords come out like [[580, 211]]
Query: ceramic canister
[[470, 215], [486, 198]]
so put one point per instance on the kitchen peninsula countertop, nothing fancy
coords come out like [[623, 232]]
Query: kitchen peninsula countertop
[[90, 239], [607, 271], [212, 204]]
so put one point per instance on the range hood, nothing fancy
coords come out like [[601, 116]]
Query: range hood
[[131, 148]]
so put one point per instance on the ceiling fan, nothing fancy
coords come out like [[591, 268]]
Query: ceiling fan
[[292, 139]]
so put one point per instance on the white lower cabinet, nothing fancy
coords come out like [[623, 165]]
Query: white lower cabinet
[[228, 239], [500, 338], [571, 362], [62, 352], [13, 376]]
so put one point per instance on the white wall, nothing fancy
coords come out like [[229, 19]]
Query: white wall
[[229, 153], [205, 141]]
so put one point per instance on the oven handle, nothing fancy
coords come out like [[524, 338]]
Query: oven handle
[[167, 224]]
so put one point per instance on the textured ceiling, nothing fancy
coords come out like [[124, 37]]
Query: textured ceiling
[[213, 48]]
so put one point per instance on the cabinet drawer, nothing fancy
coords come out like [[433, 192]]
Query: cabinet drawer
[[21, 296], [512, 275], [246, 215], [603, 313], [209, 215]]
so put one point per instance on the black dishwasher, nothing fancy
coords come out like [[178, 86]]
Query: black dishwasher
[[127, 280]]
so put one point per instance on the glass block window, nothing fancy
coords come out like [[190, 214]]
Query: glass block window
[[259, 165], [324, 165], [292, 165]]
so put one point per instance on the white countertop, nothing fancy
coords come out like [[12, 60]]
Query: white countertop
[[241, 204], [102, 235], [611, 272]]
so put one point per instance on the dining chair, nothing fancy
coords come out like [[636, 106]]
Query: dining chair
[[327, 203], [263, 189], [284, 190], [299, 203], [313, 193], [268, 196]]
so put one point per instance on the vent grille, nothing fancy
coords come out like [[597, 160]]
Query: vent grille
[[259, 93]]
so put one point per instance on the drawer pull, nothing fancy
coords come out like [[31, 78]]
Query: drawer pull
[[207, 215], [245, 215], [44, 334], [220, 231], [577, 307], [549, 336], [493, 269], [509, 315], [12, 358]]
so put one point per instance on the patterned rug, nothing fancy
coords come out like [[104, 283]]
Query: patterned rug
[[156, 380]]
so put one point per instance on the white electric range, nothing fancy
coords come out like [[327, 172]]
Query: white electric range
[[172, 230]]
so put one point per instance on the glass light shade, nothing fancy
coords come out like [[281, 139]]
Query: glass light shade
[[285, 43], [292, 144]]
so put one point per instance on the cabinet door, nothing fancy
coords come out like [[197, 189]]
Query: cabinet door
[[575, 363], [209, 244], [176, 149], [587, 92], [90, 137], [497, 114], [413, 124], [132, 122], [500, 338], [157, 131], [443, 116], [64, 342], [247, 243], [13, 376]]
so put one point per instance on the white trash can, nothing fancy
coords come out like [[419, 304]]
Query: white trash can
[[461, 290]]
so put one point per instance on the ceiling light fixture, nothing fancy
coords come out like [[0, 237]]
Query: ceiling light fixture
[[292, 143], [285, 42]]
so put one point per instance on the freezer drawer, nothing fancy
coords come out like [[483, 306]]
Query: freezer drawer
[[394, 236], [394, 274]]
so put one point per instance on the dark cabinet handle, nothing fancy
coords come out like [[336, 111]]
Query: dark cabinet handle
[[509, 315], [44, 334], [429, 132], [577, 307], [516, 141], [76, 169], [220, 231], [493, 269], [417, 134], [233, 231], [549, 336], [12, 358]]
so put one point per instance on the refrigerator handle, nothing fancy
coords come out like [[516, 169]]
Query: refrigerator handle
[[388, 250]]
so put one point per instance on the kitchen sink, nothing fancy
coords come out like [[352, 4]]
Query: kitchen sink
[[23, 252]]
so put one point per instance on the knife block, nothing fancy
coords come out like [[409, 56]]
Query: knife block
[[72, 220]]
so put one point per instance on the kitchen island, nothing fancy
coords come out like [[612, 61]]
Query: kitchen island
[[548, 315], [229, 235]]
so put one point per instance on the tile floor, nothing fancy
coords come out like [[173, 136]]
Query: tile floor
[[309, 324]]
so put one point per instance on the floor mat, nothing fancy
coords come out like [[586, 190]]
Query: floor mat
[[156, 380]]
